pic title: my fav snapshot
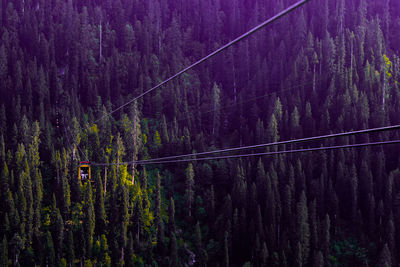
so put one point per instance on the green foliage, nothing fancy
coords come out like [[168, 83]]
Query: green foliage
[[348, 252], [66, 68], [49, 254], [4, 253]]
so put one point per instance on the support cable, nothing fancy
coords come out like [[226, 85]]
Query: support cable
[[293, 141], [224, 47], [391, 142]]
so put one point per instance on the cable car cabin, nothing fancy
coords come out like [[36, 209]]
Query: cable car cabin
[[84, 171]]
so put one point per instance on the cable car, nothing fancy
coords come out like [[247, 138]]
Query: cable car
[[84, 171]]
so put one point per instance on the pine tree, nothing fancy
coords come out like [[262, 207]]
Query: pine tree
[[201, 256], [69, 254], [264, 255], [325, 237], [100, 212], [158, 219], [57, 230], [174, 261], [239, 187], [171, 216], [272, 130], [129, 252], [385, 258], [318, 259], [89, 218], [3, 64], [4, 184], [216, 108], [124, 213], [66, 191], [295, 123], [49, 253], [4, 253], [104, 257], [226, 250], [303, 229], [136, 136], [2, 144], [120, 152], [189, 192]]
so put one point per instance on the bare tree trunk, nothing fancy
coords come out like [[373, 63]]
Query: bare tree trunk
[[351, 56], [101, 42], [58, 176], [138, 232], [383, 89], [313, 86], [122, 256], [105, 182], [136, 134], [234, 77], [117, 166]]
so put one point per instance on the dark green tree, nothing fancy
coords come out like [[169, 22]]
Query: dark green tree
[[189, 192], [303, 229], [385, 257], [4, 252], [49, 252]]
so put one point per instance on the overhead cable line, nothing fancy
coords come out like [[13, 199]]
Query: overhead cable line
[[293, 141], [391, 142], [241, 37], [287, 89]]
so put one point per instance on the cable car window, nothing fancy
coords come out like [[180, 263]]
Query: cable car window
[[84, 173]]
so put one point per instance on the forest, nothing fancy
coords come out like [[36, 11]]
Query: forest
[[68, 68]]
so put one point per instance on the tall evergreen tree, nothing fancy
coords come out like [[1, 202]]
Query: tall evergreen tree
[[189, 192], [303, 229], [4, 253]]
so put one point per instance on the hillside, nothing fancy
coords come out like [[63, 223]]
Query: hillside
[[68, 68]]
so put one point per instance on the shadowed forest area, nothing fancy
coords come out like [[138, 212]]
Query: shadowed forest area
[[328, 67]]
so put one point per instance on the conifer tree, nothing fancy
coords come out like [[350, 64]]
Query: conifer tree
[[264, 255], [136, 136], [239, 187], [57, 231], [100, 212], [158, 218], [318, 259], [104, 257], [4, 252], [124, 213], [272, 130], [226, 250], [70, 254], [201, 256], [129, 252], [4, 184], [303, 229], [89, 218], [66, 192], [385, 257], [173, 250], [189, 192], [171, 216], [216, 107], [49, 253]]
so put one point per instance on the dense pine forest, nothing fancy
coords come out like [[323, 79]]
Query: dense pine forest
[[328, 67]]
